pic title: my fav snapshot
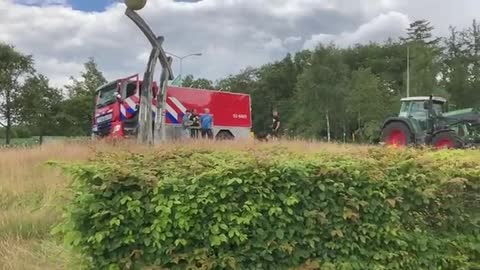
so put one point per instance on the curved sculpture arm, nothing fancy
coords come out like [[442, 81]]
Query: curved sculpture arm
[[154, 41]]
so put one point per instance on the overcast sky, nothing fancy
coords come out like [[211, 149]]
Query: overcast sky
[[231, 34]]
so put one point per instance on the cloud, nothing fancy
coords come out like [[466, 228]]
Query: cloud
[[441, 14], [230, 34], [292, 40], [42, 2], [377, 30]]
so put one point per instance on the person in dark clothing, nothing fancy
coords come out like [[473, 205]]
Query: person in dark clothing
[[275, 125], [195, 120]]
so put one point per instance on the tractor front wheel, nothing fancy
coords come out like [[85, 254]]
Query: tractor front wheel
[[396, 134], [448, 140]]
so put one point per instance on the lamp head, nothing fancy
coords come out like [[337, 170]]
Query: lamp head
[[135, 4]]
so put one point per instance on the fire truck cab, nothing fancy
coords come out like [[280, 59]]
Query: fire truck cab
[[118, 102]]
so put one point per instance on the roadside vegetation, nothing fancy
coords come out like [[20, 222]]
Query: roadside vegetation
[[33, 193], [427, 201]]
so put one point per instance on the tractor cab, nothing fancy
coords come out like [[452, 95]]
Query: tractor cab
[[417, 109]]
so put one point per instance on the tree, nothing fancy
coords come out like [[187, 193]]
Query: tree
[[39, 106], [455, 64], [425, 58], [13, 65], [271, 87], [79, 108], [188, 81], [301, 60], [461, 66], [243, 82], [421, 31], [320, 94], [274, 90], [92, 78], [200, 83], [370, 100], [471, 44], [425, 66]]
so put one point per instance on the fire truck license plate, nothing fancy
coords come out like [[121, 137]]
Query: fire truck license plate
[[104, 118], [239, 116]]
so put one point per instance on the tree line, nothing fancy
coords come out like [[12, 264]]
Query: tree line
[[327, 93], [31, 106], [345, 93]]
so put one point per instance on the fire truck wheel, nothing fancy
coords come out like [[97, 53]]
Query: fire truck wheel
[[224, 135]]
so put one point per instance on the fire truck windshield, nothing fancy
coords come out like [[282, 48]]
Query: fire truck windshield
[[107, 95]]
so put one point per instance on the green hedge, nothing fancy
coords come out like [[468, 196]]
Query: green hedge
[[276, 209]]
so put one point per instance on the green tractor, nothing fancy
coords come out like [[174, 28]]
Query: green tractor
[[427, 121]]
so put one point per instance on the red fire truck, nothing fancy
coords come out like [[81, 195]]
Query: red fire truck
[[117, 107]]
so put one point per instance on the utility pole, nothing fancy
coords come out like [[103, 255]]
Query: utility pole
[[408, 71]]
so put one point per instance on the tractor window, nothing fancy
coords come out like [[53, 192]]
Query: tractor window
[[417, 111], [438, 108], [404, 109]]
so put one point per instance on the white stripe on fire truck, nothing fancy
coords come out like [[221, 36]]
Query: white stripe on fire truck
[[178, 104], [130, 103], [172, 111]]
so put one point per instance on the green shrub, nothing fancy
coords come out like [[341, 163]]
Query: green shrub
[[266, 209]]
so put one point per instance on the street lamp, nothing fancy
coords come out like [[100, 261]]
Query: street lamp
[[183, 57]]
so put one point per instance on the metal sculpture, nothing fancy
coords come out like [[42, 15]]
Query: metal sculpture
[[151, 130]]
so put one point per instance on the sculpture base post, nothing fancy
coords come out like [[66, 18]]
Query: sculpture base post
[[149, 127]]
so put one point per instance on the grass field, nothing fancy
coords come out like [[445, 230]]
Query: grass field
[[31, 194], [19, 142]]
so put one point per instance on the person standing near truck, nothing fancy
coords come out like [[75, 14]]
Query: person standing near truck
[[206, 121], [195, 124], [186, 123]]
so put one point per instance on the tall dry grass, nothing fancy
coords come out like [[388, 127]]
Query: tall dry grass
[[30, 194], [28, 206]]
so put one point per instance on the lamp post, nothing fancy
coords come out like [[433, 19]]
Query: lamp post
[[183, 57]]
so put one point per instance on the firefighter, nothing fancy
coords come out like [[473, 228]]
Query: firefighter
[[194, 118]]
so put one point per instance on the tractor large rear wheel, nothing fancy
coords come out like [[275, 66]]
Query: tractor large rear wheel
[[396, 134], [447, 139]]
